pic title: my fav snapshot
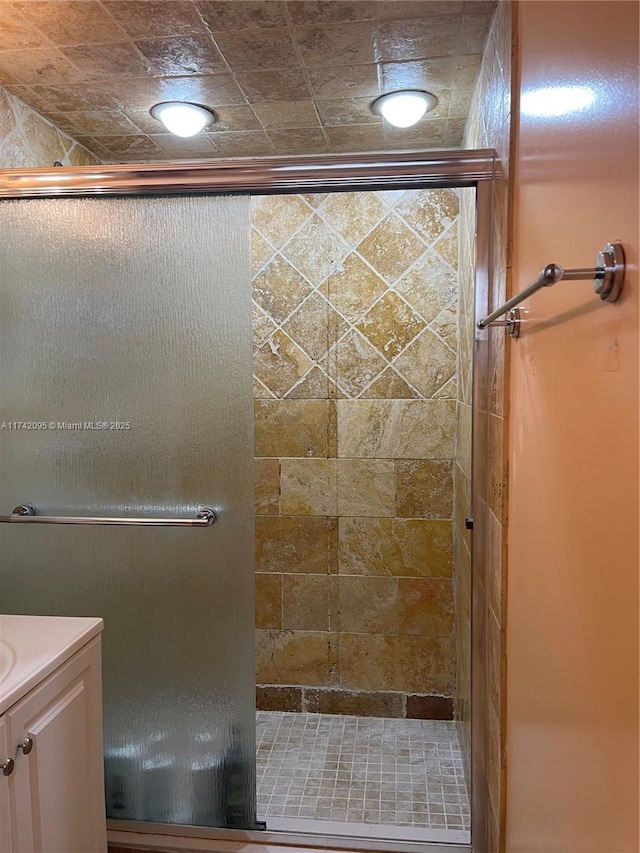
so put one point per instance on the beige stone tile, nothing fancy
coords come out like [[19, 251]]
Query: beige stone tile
[[222, 15], [447, 244], [298, 140], [407, 663], [439, 71], [336, 44], [449, 390], [286, 114], [292, 428], [316, 250], [366, 487], [107, 61], [232, 119], [346, 111], [446, 326], [292, 657], [395, 546], [427, 363], [320, 12], [425, 607], [268, 596], [429, 212], [66, 22], [260, 391], [17, 31], [353, 215], [463, 435], [305, 545], [39, 65], [429, 286], [390, 325], [391, 248], [411, 39], [495, 575], [155, 17], [354, 288], [308, 487], [345, 81], [199, 147], [497, 474], [316, 385], [367, 605], [45, 143], [396, 429], [355, 138], [305, 602], [389, 386], [278, 217], [424, 488], [262, 327], [132, 147], [353, 363], [267, 486], [280, 363], [255, 49], [315, 325], [243, 143], [279, 289], [266, 86]]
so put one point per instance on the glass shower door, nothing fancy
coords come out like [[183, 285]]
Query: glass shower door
[[125, 390]]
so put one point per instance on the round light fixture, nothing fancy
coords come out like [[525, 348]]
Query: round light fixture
[[182, 119], [404, 108]]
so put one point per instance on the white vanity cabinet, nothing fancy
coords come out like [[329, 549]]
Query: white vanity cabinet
[[52, 796]]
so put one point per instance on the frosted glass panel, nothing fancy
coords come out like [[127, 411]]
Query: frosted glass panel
[[135, 313]]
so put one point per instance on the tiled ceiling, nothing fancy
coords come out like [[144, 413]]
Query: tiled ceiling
[[282, 76]]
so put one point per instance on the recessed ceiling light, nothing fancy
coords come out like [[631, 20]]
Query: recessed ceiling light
[[182, 119], [404, 108]]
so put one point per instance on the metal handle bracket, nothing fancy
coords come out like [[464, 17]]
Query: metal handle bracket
[[608, 279]]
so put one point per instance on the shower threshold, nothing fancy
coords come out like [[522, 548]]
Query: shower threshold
[[364, 777]]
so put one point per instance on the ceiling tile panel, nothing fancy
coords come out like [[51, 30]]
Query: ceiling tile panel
[[220, 15], [107, 61], [180, 55], [266, 86], [69, 22], [154, 18], [17, 31], [250, 50]]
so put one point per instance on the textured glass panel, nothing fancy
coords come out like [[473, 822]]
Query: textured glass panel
[[137, 312]]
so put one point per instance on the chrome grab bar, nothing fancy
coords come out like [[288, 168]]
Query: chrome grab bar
[[607, 274], [26, 513]]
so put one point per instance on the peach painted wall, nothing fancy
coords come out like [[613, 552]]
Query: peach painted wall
[[572, 630]]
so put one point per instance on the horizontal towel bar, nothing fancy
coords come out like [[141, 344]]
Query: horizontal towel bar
[[27, 514], [607, 274]]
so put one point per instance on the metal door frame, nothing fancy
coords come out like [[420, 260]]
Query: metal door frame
[[476, 168]]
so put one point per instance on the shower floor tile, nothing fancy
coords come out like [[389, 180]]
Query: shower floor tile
[[361, 770]]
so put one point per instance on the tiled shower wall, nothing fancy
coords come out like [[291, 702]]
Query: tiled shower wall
[[355, 335], [489, 126], [28, 140]]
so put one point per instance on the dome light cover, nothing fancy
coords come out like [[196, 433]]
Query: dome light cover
[[182, 119], [404, 108]]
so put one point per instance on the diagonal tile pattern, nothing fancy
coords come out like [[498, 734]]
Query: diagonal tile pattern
[[358, 289], [285, 76]]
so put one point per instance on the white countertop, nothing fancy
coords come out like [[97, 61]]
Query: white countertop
[[32, 647]]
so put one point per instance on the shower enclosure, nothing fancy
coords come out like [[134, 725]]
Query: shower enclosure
[[125, 392]]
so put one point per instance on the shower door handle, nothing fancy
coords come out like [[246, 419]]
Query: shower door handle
[[27, 514]]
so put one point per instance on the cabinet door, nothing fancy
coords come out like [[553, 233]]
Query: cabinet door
[[5, 794], [59, 788]]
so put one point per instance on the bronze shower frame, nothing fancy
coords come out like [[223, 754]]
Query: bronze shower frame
[[474, 168]]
